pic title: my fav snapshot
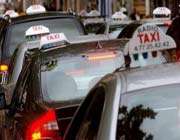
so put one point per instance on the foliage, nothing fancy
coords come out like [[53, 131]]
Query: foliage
[[129, 123]]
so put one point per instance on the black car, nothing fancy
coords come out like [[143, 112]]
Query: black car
[[53, 82], [12, 31]]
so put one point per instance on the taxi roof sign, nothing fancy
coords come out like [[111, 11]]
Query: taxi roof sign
[[11, 13], [37, 30], [93, 13], [35, 9], [148, 38], [53, 38], [162, 11], [119, 15]]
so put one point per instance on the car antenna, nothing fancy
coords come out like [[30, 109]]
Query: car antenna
[[99, 45], [127, 60]]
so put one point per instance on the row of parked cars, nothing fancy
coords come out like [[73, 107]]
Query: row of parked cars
[[52, 85]]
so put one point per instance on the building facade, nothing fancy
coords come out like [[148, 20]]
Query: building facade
[[106, 7]]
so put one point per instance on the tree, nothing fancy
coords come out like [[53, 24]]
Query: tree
[[129, 123]]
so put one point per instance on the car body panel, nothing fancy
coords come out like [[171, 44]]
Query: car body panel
[[21, 49], [19, 59], [108, 129], [29, 84], [87, 38], [121, 82], [151, 76]]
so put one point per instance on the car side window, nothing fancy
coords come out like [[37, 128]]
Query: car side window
[[31, 92], [18, 97], [11, 64], [86, 123], [2, 34]]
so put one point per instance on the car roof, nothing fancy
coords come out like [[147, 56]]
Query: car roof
[[119, 22], [77, 48], [85, 46], [47, 15], [88, 38], [151, 76], [72, 40]]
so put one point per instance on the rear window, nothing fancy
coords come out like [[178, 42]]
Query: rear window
[[69, 26], [95, 28], [152, 114], [114, 28], [129, 30], [71, 77]]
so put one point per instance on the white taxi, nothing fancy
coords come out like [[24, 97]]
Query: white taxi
[[137, 104], [40, 37]]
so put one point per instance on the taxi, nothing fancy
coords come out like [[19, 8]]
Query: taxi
[[11, 71], [141, 103], [114, 25], [42, 103], [36, 40], [110, 27], [13, 28]]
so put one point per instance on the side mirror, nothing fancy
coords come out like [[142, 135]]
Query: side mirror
[[3, 104]]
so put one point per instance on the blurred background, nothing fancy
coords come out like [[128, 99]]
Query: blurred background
[[105, 7]]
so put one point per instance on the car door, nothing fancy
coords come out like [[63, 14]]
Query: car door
[[86, 123], [22, 103], [3, 26]]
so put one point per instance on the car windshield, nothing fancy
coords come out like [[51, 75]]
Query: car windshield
[[129, 30], [71, 77], [115, 30], [95, 28], [69, 26], [157, 110]]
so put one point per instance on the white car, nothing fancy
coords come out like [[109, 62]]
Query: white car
[[138, 104]]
